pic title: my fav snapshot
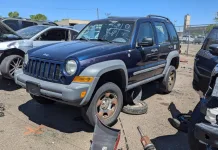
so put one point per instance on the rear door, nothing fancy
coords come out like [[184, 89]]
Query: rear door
[[51, 36], [164, 44], [205, 61]]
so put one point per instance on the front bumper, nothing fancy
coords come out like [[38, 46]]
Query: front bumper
[[69, 94], [207, 134]]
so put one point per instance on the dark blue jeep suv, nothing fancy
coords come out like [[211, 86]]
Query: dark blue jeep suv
[[108, 58], [205, 61]]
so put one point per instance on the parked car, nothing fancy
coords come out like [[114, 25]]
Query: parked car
[[13, 45], [199, 40], [108, 58], [205, 60], [187, 39], [78, 27], [19, 23]]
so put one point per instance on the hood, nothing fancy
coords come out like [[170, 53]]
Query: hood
[[7, 34], [19, 44], [80, 49]]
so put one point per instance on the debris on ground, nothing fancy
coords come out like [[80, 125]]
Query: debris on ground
[[2, 108]]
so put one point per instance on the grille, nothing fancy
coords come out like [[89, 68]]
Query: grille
[[44, 70]]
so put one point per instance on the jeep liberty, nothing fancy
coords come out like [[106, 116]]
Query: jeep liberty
[[109, 57]]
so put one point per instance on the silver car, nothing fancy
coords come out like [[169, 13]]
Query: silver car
[[13, 46]]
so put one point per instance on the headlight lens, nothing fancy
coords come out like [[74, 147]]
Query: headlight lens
[[71, 67], [26, 59]]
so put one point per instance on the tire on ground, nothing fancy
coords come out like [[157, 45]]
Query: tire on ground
[[137, 109], [42, 100], [89, 112], [164, 86], [5, 65]]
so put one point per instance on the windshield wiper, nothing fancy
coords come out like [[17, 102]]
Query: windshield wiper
[[103, 40]]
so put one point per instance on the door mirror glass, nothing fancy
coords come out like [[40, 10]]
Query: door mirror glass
[[146, 42], [214, 48]]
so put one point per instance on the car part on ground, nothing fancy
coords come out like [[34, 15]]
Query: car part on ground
[[146, 142], [181, 122], [104, 137], [105, 65]]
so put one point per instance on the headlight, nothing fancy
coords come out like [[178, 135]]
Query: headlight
[[26, 59], [71, 67]]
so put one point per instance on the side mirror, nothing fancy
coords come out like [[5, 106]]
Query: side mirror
[[214, 48], [146, 42]]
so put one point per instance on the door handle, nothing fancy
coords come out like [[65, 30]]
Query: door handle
[[154, 50]]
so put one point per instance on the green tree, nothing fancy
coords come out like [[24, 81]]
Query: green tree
[[56, 21], [38, 17], [209, 28], [14, 14]]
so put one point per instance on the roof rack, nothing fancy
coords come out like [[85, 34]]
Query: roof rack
[[157, 16]]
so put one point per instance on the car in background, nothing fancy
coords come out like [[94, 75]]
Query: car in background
[[187, 39], [78, 27], [199, 40], [13, 46], [18, 23]]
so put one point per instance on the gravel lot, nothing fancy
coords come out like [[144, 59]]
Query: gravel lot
[[28, 125]]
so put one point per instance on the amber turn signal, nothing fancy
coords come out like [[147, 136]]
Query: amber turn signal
[[83, 79], [82, 94]]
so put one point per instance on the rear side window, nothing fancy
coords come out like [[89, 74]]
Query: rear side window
[[54, 35], [13, 24], [26, 24], [172, 32], [162, 34], [211, 39]]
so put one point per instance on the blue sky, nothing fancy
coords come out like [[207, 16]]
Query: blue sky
[[201, 11]]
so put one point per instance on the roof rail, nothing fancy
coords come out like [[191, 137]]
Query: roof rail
[[157, 16]]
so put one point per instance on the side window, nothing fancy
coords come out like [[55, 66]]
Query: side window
[[73, 34], [26, 24], [145, 31], [211, 39], [162, 34], [173, 33], [13, 24], [54, 35]]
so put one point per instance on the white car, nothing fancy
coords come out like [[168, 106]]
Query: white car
[[187, 39], [13, 46]]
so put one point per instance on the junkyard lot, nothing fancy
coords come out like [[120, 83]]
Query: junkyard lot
[[28, 125]]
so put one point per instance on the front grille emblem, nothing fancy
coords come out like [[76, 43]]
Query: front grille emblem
[[46, 55]]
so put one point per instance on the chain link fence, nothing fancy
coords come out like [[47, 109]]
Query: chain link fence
[[192, 37]]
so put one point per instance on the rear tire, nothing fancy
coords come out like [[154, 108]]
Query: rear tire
[[42, 100], [168, 82], [10, 64], [106, 103]]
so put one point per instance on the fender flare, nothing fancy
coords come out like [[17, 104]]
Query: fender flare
[[170, 56], [97, 70]]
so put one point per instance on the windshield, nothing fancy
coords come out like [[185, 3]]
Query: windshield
[[108, 30], [29, 32], [6, 34]]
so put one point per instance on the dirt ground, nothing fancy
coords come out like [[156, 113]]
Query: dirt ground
[[29, 125]]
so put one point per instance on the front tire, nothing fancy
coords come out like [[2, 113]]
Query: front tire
[[106, 103], [42, 100], [10, 64], [168, 82]]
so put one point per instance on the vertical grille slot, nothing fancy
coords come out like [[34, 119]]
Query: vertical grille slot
[[46, 70], [51, 72], [57, 72]]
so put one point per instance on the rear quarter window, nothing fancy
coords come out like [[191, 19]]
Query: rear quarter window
[[212, 38], [172, 32]]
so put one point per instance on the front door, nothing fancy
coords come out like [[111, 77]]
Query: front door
[[51, 36], [149, 54]]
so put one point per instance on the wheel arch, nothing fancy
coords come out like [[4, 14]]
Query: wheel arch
[[13, 51]]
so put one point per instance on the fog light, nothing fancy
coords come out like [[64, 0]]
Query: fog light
[[82, 94]]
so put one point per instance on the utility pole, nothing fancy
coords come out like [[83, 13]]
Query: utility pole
[[97, 14]]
